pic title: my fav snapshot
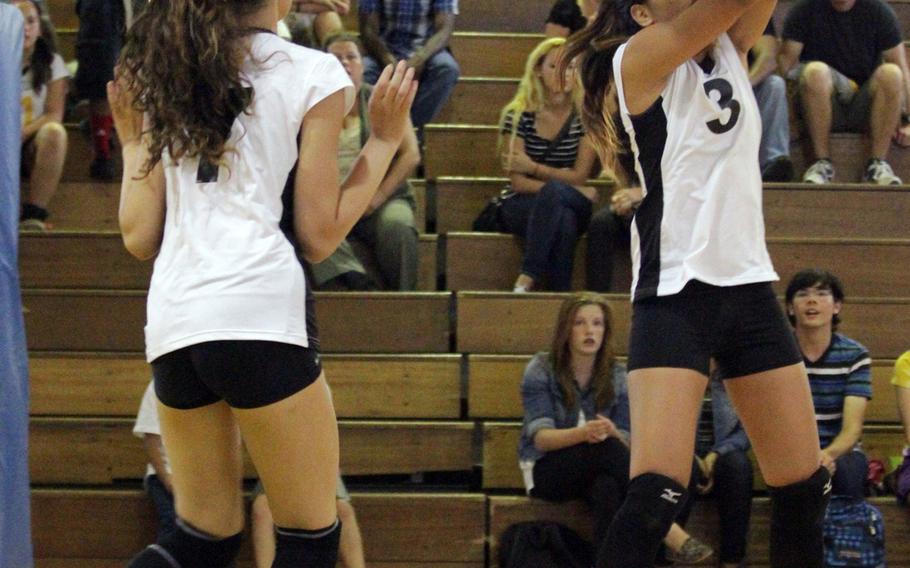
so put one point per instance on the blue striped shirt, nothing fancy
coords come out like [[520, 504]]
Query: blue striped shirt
[[843, 370], [406, 25]]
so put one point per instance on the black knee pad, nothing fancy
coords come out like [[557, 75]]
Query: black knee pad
[[797, 515], [298, 548], [189, 547], [651, 505]]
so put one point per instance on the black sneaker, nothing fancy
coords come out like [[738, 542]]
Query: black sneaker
[[779, 170], [102, 169]]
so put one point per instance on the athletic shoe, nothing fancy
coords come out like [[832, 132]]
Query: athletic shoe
[[822, 171], [780, 170], [880, 172], [102, 169], [33, 226], [693, 551]]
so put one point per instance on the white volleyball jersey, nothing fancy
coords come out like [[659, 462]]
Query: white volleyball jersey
[[696, 156], [226, 271]]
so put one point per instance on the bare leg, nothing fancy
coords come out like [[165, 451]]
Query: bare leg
[[903, 407], [665, 405], [777, 412], [294, 445], [886, 107], [351, 547], [263, 532], [816, 87], [50, 153], [203, 447]]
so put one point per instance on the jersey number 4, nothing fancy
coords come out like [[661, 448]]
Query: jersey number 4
[[725, 90]]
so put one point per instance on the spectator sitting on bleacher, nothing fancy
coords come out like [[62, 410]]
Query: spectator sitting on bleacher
[[726, 471], [157, 479], [853, 77], [350, 547], [44, 85], [901, 382], [565, 19], [102, 24], [311, 22], [388, 227], [548, 159], [839, 376], [576, 422], [419, 32], [771, 94]]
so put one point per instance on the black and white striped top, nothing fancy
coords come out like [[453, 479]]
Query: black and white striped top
[[562, 156]]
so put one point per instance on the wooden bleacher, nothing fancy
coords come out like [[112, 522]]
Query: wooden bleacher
[[425, 382]]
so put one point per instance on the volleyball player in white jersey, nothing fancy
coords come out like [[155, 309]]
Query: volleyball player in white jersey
[[229, 141], [702, 273]]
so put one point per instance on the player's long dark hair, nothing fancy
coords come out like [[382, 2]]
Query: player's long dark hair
[[183, 63], [45, 47], [561, 353], [595, 47]]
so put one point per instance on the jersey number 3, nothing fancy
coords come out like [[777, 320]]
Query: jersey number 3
[[726, 102]]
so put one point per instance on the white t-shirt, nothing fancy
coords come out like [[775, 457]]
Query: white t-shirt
[[33, 101], [696, 156], [147, 423], [226, 271]]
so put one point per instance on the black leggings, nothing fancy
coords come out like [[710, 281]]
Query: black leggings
[[595, 473]]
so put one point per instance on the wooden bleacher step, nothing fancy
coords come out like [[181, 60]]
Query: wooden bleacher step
[[113, 320], [500, 452], [470, 150], [790, 210], [100, 451], [442, 530], [494, 383], [867, 267], [507, 323], [98, 260], [363, 386], [703, 524]]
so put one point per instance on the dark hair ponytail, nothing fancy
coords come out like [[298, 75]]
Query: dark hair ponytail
[[183, 63], [596, 45]]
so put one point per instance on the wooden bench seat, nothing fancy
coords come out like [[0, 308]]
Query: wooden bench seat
[[443, 530], [98, 260], [790, 210], [92, 205], [867, 267], [99, 451], [363, 386], [507, 323], [470, 150], [703, 524], [477, 100], [494, 388], [111, 320], [472, 49], [500, 452]]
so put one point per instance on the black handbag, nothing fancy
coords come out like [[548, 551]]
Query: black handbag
[[490, 218]]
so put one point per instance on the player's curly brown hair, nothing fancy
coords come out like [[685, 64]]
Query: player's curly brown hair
[[183, 64]]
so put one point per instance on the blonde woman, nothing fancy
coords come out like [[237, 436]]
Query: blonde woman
[[548, 158]]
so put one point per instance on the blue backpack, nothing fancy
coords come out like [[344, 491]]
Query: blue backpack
[[854, 534]]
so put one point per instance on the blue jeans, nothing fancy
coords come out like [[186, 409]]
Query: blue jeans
[[771, 95], [164, 505], [550, 222], [438, 79], [850, 476]]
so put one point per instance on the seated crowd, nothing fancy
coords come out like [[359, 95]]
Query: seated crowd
[[848, 68]]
